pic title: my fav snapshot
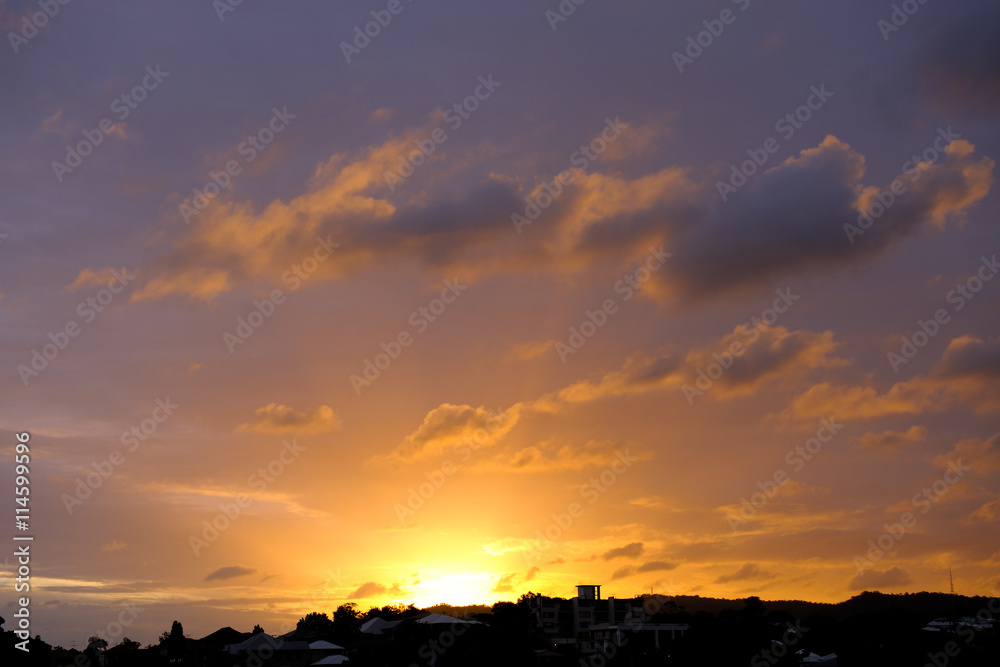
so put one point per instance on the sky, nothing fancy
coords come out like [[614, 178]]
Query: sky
[[309, 303]]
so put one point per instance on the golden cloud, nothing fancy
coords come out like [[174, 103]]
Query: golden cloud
[[276, 418]]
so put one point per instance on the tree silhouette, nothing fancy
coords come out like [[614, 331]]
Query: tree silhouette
[[256, 630], [754, 607], [173, 641], [313, 626], [346, 622], [129, 645], [96, 643]]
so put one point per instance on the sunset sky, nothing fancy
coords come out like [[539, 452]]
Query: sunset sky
[[497, 299]]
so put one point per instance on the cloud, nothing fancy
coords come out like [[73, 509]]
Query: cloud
[[276, 418], [969, 356], [90, 278], [768, 353], [508, 583], [505, 584], [892, 442], [631, 550], [652, 566], [229, 572], [646, 501], [544, 458], [230, 243], [771, 352], [531, 349], [793, 217], [746, 572], [637, 376], [448, 426], [505, 545], [858, 403], [113, 545], [967, 372], [207, 496], [873, 580], [52, 124], [983, 456], [959, 68], [372, 589], [989, 511]]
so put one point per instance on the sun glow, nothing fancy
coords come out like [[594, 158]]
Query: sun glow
[[455, 588]]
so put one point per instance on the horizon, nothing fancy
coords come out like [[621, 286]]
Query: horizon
[[398, 302], [288, 624]]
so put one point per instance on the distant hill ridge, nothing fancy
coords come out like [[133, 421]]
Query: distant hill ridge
[[868, 602]]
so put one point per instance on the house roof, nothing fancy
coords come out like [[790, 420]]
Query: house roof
[[224, 636], [332, 660], [262, 640], [435, 619], [257, 641], [377, 626], [325, 645]]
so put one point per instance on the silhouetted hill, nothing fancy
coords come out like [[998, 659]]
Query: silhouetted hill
[[467, 610], [929, 605]]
